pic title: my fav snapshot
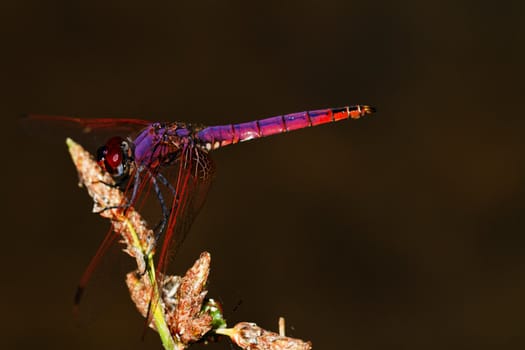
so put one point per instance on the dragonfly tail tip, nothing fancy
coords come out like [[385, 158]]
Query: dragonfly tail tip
[[368, 109]]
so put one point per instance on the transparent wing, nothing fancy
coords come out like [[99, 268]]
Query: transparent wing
[[92, 132], [191, 176], [185, 183], [188, 179]]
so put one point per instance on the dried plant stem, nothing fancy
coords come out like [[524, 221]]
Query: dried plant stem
[[249, 336], [176, 303], [136, 236], [159, 320]]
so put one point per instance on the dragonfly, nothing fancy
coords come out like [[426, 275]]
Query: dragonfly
[[173, 159]]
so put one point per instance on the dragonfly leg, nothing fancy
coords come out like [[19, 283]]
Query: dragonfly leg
[[166, 213], [124, 206], [172, 189], [166, 183], [119, 185], [161, 226], [108, 184], [136, 184]]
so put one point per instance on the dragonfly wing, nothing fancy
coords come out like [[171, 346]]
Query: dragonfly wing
[[191, 177], [186, 180], [186, 183], [92, 132]]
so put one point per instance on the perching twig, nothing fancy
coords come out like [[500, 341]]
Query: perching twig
[[137, 237], [180, 314], [250, 336]]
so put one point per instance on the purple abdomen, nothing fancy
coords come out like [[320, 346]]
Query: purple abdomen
[[215, 137]]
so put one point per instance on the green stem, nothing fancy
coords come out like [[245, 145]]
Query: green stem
[[167, 340]]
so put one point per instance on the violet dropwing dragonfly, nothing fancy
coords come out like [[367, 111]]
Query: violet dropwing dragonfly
[[172, 158]]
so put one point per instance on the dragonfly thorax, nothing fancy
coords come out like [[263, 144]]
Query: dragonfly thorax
[[161, 144]]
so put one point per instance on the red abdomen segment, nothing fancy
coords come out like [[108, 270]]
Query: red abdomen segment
[[214, 137]]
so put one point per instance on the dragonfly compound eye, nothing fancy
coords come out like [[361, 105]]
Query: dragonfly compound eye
[[111, 156]]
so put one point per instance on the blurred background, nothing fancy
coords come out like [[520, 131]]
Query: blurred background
[[404, 230]]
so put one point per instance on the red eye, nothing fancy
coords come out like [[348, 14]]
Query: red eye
[[114, 152], [110, 156]]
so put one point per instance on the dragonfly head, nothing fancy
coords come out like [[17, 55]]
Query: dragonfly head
[[116, 157]]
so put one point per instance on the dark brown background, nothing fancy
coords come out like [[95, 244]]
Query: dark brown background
[[403, 231]]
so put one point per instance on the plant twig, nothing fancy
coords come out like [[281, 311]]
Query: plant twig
[[139, 240], [249, 336], [181, 315]]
